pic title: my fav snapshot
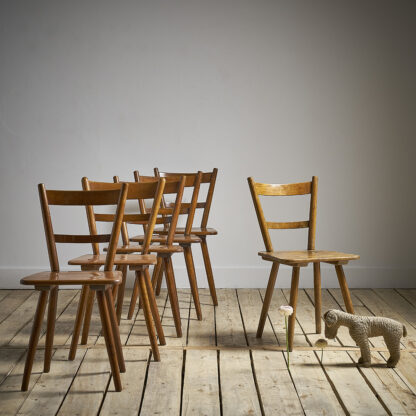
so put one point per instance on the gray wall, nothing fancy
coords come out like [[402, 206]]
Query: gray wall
[[278, 90]]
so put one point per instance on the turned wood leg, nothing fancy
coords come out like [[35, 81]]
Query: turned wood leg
[[293, 301], [78, 320], [173, 295], [156, 272], [87, 316], [267, 299], [344, 288], [208, 269], [50, 329], [148, 314], [109, 338], [120, 294], [317, 296], [153, 307], [133, 298], [159, 279], [192, 279], [115, 329], [34, 338]]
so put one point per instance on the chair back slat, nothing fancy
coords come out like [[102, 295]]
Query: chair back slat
[[80, 198], [283, 190], [82, 239], [303, 188], [287, 225]]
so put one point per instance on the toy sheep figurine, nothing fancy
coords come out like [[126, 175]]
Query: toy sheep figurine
[[363, 327]]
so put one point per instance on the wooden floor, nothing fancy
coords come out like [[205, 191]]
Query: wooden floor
[[218, 367]]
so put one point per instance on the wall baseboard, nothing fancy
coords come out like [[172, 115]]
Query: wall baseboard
[[253, 277]]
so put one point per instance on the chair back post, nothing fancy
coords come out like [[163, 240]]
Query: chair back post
[[176, 212], [194, 202], [260, 215], [92, 225], [124, 230], [47, 225], [312, 213], [115, 233], [153, 215], [204, 221]]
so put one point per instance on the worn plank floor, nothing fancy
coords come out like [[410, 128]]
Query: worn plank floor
[[218, 367]]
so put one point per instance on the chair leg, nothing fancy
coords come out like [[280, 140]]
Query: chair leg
[[133, 298], [344, 288], [293, 301], [115, 329], [192, 279], [50, 329], [87, 317], [109, 338], [159, 279], [208, 270], [156, 272], [120, 294], [78, 320], [173, 295], [153, 307], [317, 296], [34, 338], [267, 299], [148, 314]]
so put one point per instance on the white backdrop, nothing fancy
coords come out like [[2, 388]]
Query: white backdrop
[[276, 90]]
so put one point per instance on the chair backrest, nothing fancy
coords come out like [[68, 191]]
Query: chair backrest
[[136, 191], [257, 189], [85, 198], [206, 178], [173, 186]]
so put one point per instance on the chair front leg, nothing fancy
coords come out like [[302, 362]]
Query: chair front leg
[[78, 320], [34, 337], [293, 301], [317, 296], [344, 288], [173, 294], [120, 293], [190, 267], [50, 329], [267, 298]]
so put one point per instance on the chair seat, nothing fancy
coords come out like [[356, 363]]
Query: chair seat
[[303, 257], [119, 259], [72, 278], [195, 231], [178, 238], [134, 248]]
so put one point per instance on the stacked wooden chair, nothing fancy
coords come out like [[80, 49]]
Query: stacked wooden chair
[[203, 231], [296, 259], [101, 283], [138, 262]]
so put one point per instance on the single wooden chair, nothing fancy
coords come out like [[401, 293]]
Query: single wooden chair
[[297, 259], [185, 240], [165, 250], [203, 231], [138, 262], [100, 282]]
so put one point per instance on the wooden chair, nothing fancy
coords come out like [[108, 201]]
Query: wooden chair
[[297, 259], [165, 250], [138, 262], [185, 240], [203, 231], [100, 282]]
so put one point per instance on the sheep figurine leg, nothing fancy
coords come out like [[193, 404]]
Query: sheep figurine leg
[[363, 327]]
